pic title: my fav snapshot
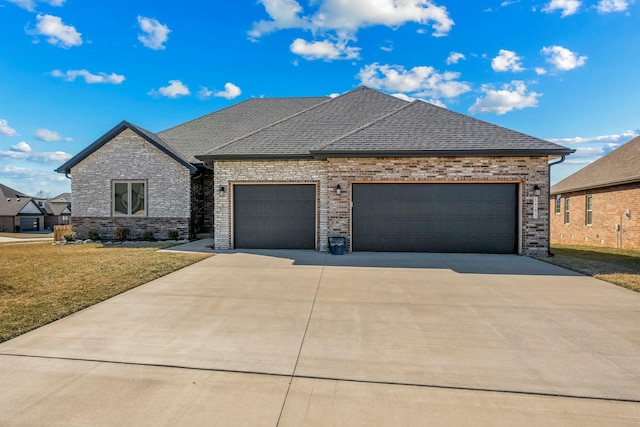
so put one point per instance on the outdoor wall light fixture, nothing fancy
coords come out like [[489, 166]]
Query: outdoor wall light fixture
[[338, 189], [222, 189], [536, 190]]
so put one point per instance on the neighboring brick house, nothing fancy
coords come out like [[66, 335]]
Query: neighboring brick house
[[385, 174], [599, 205], [19, 211]]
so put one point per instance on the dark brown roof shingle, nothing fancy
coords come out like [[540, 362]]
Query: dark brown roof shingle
[[620, 166]]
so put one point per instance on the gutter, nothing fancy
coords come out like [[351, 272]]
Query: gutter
[[549, 203]]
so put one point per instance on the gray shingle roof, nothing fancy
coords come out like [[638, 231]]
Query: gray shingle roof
[[620, 166], [213, 130], [296, 135], [420, 128], [12, 201], [149, 136]]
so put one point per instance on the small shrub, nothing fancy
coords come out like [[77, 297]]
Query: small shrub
[[148, 236], [173, 234], [121, 233], [94, 235], [70, 237], [17, 228]]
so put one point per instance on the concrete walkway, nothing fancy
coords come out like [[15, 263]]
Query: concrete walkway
[[27, 240], [296, 338]]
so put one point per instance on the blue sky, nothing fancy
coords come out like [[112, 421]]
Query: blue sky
[[70, 70]]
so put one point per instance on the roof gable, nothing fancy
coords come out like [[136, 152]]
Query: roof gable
[[420, 128], [621, 166], [294, 136], [145, 134], [30, 208]]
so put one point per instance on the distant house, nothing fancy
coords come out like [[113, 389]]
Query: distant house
[[21, 212], [290, 173], [58, 210], [600, 204]]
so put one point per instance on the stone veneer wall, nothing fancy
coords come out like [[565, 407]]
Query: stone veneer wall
[[130, 157], [608, 211], [334, 211]]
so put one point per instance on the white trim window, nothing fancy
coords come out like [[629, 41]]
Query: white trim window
[[589, 209], [566, 210], [129, 198], [558, 203]]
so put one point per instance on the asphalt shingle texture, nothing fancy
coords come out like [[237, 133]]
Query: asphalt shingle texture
[[423, 127], [213, 130], [325, 122], [622, 165]]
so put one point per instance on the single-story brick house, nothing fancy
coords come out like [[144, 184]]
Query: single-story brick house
[[599, 205], [386, 174]]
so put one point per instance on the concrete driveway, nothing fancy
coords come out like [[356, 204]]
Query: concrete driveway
[[296, 338]]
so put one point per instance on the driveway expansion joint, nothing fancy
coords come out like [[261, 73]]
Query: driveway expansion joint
[[346, 380]]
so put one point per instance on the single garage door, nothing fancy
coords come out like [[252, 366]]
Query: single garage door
[[471, 218], [29, 224], [274, 216]]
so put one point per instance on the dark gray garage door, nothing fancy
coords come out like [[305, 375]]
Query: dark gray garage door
[[29, 224], [274, 216], [472, 218]]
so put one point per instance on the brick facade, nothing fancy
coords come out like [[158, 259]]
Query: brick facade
[[275, 172], [129, 157], [334, 211], [610, 226]]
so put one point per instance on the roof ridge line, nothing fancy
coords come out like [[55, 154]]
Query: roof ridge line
[[266, 127], [321, 146]]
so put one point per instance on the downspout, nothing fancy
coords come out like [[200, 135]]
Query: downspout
[[549, 203]]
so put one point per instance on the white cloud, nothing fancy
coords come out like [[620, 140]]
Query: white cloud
[[56, 156], [562, 58], [420, 82], [30, 5], [50, 135], [455, 57], [205, 93], [613, 138], [6, 130], [568, 7], [22, 147], [58, 33], [155, 33], [23, 151], [506, 60], [540, 71], [89, 77], [230, 91], [326, 49], [175, 89], [608, 6], [511, 96], [352, 15]]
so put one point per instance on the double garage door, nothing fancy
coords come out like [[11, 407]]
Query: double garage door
[[395, 217]]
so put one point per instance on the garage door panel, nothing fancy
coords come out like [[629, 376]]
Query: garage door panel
[[274, 216], [435, 217]]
